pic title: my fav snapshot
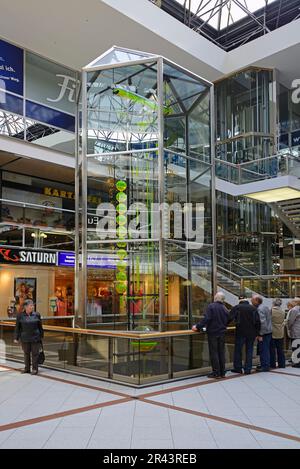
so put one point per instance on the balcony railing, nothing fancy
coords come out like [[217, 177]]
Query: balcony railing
[[133, 358], [246, 281], [284, 164], [28, 225]]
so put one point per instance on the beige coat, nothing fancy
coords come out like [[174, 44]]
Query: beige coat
[[278, 316]]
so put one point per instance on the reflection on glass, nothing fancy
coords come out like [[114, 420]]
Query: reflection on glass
[[11, 125], [122, 108], [132, 187]]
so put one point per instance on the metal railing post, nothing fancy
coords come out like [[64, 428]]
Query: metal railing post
[[170, 358], [110, 358], [290, 287]]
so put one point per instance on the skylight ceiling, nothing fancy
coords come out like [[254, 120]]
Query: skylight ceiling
[[232, 23], [223, 13]]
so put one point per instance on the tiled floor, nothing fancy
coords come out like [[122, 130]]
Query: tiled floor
[[59, 410]]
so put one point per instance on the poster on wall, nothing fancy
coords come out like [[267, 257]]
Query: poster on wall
[[11, 68], [24, 289]]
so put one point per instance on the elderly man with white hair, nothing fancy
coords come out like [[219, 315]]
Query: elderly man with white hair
[[215, 323]]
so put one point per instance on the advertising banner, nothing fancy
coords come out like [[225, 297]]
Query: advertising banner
[[11, 68]]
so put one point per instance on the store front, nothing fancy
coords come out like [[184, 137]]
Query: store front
[[35, 275]]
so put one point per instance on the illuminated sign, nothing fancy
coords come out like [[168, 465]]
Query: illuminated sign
[[20, 256], [98, 261]]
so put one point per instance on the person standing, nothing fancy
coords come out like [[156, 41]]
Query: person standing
[[29, 331], [293, 325], [215, 322], [277, 342], [248, 324], [265, 333]]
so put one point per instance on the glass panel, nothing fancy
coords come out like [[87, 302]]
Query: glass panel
[[186, 113], [10, 234], [50, 84], [123, 286], [50, 137], [89, 353], [190, 353], [11, 103], [118, 56], [122, 108], [56, 346], [154, 359], [12, 125], [201, 281], [189, 285], [199, 128], [243, 104], [51, 225], [126, 360]]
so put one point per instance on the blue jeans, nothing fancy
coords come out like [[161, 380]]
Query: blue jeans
[[265, 356], [240, 341], [276, 348]]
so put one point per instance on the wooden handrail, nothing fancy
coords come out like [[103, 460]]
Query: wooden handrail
[[126, 335]]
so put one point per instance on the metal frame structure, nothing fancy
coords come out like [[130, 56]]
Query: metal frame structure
[[229, 33], [81, 171]]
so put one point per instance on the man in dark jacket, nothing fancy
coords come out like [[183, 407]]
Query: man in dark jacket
[[247, 323], [29, 331], [215, 323]]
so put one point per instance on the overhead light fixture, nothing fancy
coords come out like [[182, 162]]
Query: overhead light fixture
[[275, 195]]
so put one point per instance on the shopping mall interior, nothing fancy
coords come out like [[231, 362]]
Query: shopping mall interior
[[111, 111]]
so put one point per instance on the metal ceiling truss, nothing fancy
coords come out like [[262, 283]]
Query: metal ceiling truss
[[231, 34]]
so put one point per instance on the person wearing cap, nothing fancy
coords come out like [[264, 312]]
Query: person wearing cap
[[29, 331], [247, 321]]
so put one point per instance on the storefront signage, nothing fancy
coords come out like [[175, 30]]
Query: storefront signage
[[67, 259], [59, 193], [11, 68], [19, 256], [92, 199]]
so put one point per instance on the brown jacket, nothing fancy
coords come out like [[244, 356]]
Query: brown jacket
[[278, 316]]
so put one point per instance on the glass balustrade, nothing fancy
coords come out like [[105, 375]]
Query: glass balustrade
[[258, 169], [36, 226], [131, 358]]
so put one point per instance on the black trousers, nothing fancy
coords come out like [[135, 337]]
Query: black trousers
[[31, 348], [216, 347]]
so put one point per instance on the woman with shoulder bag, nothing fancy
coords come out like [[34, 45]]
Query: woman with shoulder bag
[[29, 331]]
